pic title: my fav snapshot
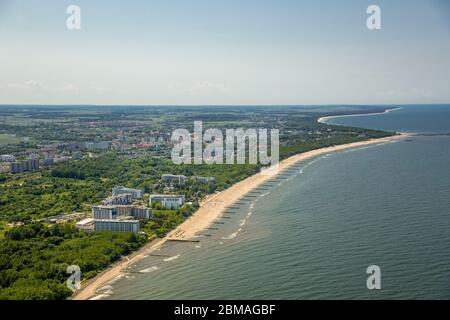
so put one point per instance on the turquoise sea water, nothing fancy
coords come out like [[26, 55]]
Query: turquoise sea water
[[312, 232]]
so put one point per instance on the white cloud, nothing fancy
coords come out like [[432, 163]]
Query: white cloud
[[35, 85], [29, 84]]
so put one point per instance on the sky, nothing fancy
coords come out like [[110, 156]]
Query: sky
[[229, 52]]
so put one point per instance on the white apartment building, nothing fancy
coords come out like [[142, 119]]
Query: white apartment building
[[135, 193], [168, 201], [121, 199], [104, 212], [23, 166], [76, 155], [141, 213], [174, 179], [204, 179], [117, 225], [120, 211], [7, 158], [102, 145], [86, 224]]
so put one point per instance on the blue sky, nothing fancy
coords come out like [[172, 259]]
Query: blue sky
[[224, 52]]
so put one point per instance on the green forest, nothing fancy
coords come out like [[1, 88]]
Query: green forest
[[34, 258]]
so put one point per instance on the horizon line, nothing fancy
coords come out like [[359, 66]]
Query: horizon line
[[218, 105]]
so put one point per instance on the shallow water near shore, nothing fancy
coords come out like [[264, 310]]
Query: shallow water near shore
[[312, 231]]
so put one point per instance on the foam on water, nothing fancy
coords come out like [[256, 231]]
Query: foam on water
[[148, 270], [172, 258], [231, 236]]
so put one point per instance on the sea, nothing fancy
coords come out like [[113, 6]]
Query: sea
[[313, 231]]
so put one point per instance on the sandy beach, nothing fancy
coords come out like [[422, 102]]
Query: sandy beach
[[210, 209], [324, 119]]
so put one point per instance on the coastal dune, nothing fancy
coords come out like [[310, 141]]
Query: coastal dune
[[210, 210]]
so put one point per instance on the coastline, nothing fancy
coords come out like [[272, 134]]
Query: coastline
[[324, 119], [210, 209]]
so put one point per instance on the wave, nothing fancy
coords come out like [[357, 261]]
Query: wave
[[148, 270], [103, 292], [231, 236], [99, 297], [171, 258]]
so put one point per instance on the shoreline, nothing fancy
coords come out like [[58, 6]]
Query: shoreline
[[324, 119], [211, 208]]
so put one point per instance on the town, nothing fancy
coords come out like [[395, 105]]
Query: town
[[90, 185]]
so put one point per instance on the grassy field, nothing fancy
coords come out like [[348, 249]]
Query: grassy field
[[3, 228], [8, 139]]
